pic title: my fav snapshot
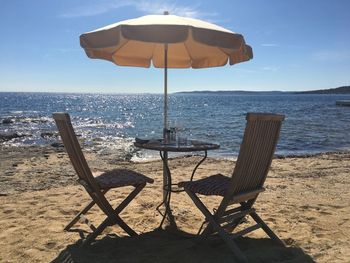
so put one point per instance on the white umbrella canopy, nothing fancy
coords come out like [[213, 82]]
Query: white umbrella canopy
[[166, 41], [191, 43]]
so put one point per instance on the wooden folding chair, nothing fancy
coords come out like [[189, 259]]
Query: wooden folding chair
[[241, 190], [98, 186]]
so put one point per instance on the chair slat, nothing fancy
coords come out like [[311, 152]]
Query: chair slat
[[230, 218], [246, 196], [245, 231], [257, 149]]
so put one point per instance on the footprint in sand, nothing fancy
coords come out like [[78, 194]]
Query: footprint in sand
[[337, 206], [271, 219], [311, 218], [50, 245], [8, 211], [325, 213], [319, 235]]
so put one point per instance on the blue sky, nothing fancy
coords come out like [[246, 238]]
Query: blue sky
[[297, 45]]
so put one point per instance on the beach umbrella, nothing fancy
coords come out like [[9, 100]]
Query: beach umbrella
[[166, 41]]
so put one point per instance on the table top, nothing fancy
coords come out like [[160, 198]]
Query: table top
[[185, 146]]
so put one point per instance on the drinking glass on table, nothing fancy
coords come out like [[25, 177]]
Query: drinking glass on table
[[177, 128]]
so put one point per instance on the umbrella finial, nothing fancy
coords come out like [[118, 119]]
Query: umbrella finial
[[166, 13]]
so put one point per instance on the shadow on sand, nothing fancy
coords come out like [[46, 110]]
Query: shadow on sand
[[161, 246]]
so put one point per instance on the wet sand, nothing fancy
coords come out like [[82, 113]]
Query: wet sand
[[306, 203]]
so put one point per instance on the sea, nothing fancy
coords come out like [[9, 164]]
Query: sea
[[109, 123]]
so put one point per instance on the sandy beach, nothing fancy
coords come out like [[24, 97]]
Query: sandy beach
[[306, 203], [259, 80]]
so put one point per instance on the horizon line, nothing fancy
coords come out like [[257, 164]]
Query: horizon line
[[175, 92]]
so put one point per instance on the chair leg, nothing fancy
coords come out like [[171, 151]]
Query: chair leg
[[244, 206], [82, 212], [267, 230], [129, 198], [225, 236], [91, 237], [125, 227], [78, 216], [115, 218], [208, 230]]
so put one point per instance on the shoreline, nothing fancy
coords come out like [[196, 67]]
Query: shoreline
[[58, 146], [32, 168], [303, 195]]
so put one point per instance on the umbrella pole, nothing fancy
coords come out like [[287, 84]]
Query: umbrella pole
[[166, 171], [165, 129], [165, 86]]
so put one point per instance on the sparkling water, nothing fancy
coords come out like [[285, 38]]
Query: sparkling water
[[108, 123]]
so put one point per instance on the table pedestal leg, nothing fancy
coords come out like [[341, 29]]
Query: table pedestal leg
[[165, 175], [166, 193]]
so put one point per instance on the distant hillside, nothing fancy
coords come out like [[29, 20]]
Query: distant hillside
[[340, 90], [233, 92]]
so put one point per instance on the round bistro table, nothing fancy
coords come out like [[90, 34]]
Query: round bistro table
[[168, 186]]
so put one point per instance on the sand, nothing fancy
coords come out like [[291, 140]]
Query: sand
[[306, 203]]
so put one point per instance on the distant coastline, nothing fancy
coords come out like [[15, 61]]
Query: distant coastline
[[339, 90]]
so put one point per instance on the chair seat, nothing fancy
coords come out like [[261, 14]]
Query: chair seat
[[213, 185], [121, 177]]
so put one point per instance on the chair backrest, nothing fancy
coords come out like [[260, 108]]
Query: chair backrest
[[256, 153], [74, 151]]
